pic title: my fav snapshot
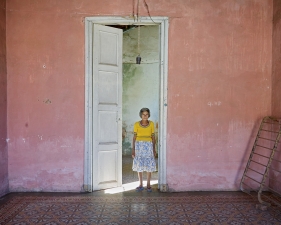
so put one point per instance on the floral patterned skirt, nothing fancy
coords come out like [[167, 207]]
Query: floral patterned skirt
[[144, 158]]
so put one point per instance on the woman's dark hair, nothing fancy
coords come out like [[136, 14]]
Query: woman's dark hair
[[144, 110]]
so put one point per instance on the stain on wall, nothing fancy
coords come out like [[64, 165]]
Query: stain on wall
[[219, 87], [276, 87], [140, 81], [4, 183]]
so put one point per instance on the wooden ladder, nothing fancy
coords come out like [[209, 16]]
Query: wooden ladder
[[263, 169]]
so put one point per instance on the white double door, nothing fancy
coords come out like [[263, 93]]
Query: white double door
[[107, 107]]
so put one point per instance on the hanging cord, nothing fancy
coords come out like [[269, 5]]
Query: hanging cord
[[134, 9], [138, 7], [139, 39], [138, 27], [146, 6]]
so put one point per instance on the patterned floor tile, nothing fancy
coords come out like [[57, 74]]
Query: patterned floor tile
[[135, 208]]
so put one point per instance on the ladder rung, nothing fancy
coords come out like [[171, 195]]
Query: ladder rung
[[271, 149], [268, 148], [273, 123], [265, 147], [267, 139], [253, 179], [270, 118], [270, 131], [255, 171], [261, 155], [259, 163]]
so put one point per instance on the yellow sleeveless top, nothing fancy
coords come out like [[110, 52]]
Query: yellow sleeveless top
[[144, 133]]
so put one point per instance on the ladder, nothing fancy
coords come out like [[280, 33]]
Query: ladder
[[263, 170]]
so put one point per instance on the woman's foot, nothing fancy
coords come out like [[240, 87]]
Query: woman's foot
[[149, 189], [140, 188]]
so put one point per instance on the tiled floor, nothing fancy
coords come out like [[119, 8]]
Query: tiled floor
[[134, 208], [131, 207]]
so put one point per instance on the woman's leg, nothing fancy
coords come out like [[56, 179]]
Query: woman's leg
[[140, 178], [148, 179]]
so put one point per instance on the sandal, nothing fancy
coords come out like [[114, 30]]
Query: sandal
[[149, 189], [139, 188]]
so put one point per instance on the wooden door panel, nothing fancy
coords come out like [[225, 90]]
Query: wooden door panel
[[108, 158], [108, 127], [108, 87], [107, 107]]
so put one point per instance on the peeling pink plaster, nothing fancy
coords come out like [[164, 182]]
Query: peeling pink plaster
[[219, 87], [4, 182], [276, 86]]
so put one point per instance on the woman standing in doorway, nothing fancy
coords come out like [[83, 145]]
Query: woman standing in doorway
[[143, 151]]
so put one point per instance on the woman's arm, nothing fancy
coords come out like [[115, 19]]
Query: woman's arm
[[153, 143], [133, 148]]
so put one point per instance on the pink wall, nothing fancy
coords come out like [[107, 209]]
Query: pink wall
[[276, 83], [45, 48], [219, 88], [4, 185]]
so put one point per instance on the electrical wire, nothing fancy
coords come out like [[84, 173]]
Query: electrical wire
[[139, 39], [147, 8]]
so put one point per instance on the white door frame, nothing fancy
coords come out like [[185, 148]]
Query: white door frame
[[163, 23]]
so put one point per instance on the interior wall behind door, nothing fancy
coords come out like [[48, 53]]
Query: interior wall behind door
[[140, 81]]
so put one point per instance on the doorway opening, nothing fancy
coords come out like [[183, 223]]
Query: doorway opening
[[150, 65], [141, 88]]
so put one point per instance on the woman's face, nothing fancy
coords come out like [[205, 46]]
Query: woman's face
[[145, 115]]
